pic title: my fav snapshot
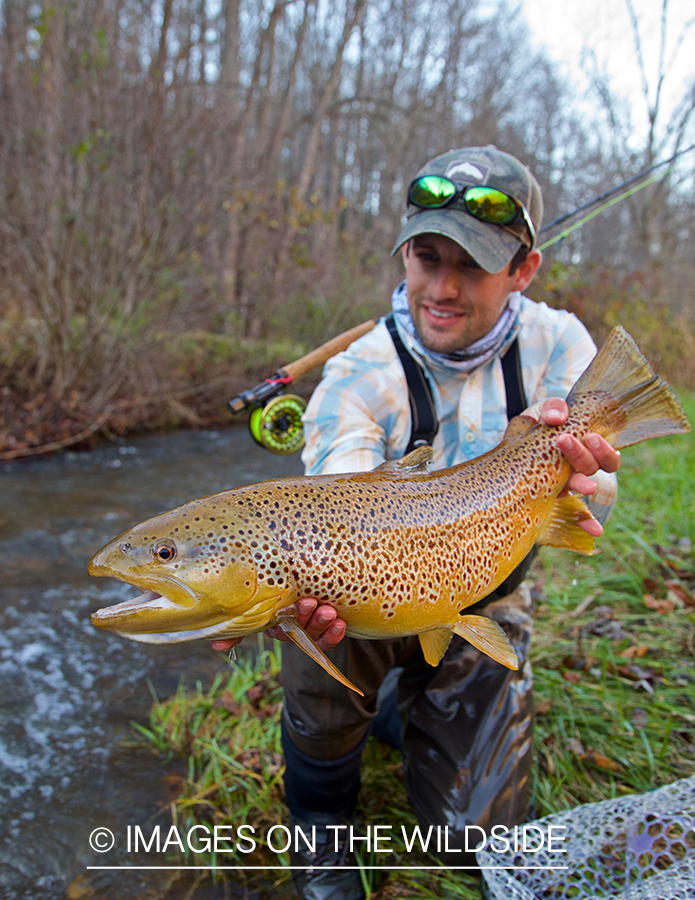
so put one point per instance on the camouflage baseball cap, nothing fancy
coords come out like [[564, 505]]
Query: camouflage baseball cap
[[491, 246]]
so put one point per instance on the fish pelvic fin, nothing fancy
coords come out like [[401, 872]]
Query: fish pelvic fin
[[647, 406], [488, 637], [287, 620], [434, 644], [561, 528]]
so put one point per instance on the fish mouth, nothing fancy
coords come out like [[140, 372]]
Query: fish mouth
[[150, 599]]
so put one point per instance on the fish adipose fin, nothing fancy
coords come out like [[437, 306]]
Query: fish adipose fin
[[434, 644], [561, 528], [287, 620], [416, 463], [487, 636], [647, 406]]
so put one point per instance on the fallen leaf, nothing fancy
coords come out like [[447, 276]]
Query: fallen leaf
[[542, 708], [575, 746], [639, 717], [173, 782], [660, 606], [227, 700], [634, 651], [680, 591], [598, 759], [573, 677]]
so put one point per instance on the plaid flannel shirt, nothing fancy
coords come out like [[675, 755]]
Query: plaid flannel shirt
[[359, 415]]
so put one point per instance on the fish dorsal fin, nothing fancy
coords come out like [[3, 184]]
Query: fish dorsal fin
[[487, 636], [287, 620], [518, 426], [415, 463], [561, 528], [434, 644]]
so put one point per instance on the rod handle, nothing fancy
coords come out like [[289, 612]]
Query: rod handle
[[323, 353]]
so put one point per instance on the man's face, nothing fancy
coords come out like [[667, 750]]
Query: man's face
[[452, 300]]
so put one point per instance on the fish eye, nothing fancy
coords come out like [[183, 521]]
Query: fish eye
[[164, 551], [124, 548]]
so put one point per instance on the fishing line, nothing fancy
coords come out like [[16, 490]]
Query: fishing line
[[567, 231]]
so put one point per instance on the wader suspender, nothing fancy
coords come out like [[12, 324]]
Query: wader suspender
[[425, 425]]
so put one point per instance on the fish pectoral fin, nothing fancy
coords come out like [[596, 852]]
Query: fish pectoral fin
[[296, 633], [561, 528], [518, 426], [487, 636], [415, 463], [434, 644]]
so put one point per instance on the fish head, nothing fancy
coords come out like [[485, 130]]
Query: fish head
[[206, 570]]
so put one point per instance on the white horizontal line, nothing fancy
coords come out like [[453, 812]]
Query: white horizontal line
[[304, 868]]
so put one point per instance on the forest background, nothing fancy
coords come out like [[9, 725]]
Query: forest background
[[193, 192]]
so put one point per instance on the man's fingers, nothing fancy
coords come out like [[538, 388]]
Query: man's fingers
[[607, 458], [582, 484], [332, 635], [588, 458], [555, 411], [225, 643], [592, 526]]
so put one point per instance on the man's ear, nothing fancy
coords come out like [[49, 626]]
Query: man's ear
[[528, 268], [405, 252]]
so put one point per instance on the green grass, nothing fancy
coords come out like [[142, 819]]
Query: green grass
[[615, 713]]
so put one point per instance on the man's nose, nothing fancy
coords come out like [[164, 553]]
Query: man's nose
[[444, 284]]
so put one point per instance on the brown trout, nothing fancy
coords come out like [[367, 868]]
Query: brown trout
[[397, 551]]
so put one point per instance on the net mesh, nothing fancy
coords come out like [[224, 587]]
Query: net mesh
[[640, 847]]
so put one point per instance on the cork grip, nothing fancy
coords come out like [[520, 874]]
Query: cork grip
[[319, 356]]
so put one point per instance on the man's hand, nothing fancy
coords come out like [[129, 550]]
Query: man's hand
[[320, 622], [586, 459]]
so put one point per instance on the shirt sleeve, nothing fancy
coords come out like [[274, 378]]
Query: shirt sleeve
[[358, 416]]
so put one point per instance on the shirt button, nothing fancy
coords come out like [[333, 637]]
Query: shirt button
[[470, 437]]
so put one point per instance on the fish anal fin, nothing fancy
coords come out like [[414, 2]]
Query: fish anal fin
[[287, 620], [561, 528], [488, 637], [415, 463], [434, 644], [519, 426]]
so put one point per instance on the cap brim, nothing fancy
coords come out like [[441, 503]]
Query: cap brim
[[490, 246]]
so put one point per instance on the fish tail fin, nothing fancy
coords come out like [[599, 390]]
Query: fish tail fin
[[647, 406], [488, 637]]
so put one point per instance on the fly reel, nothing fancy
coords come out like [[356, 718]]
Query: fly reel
[[277, 426]]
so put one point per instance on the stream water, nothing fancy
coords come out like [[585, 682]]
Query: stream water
[[69, 692]]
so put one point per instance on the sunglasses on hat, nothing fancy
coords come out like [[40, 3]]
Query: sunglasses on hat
[[487, 204]]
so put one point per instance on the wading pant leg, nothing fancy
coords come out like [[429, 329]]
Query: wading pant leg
[[325, 724], [467, 745]]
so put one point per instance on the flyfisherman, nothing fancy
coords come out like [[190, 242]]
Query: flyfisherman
[[463, 352]]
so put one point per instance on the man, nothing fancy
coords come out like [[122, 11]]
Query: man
[[469, 250]]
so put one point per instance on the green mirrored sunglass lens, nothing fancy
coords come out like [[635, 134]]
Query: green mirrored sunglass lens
[[490, 205], [432, 190]]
